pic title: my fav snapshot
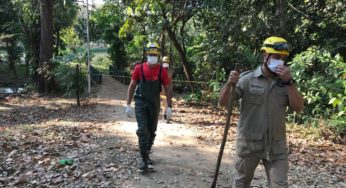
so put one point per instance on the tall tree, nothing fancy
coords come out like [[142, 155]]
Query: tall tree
[[9, 33], [29, 21], [181, 13], [46, 46]]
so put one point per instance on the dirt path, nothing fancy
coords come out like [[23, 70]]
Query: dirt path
[[181, 159], [186, 154], [36, 132]]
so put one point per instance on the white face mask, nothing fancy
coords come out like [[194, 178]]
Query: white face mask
[[274, 63], [152, 60], [165, 65]]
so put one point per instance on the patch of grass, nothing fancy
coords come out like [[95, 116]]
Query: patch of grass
[[101, 62]]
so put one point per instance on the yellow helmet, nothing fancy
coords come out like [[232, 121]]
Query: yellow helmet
[[276, 45], [153, 48], [166, 59]]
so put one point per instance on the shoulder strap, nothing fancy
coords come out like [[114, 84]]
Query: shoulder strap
[[160, 77], [142, 73]]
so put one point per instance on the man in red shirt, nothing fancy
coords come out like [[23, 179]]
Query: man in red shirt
[[146, 82]]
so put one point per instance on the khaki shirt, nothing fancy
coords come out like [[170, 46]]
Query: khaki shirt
[[170, 76], [261, 130]]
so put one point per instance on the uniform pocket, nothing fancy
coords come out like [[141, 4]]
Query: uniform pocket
[[256, 95], [279, 147], [251, 143], [282, 97]]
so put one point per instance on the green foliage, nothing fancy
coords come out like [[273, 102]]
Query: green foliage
[[67, 78], [28, 12], [196, 96], [65, 72], [70, 38], [70, 55], [64, 9], [321, 80], [101, 62], [9, 33], [9, 77], [134, 48], [108, 20]]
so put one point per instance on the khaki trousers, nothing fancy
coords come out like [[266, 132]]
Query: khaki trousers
[[164, 104], [276, 171]]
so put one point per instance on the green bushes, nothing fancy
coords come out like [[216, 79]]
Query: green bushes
[[321, 80], [101, 62], [67, 78]]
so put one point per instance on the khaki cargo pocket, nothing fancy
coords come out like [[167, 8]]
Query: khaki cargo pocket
[[279, 147], [282, 97], [256, 95], [239, 164], [252, 143]]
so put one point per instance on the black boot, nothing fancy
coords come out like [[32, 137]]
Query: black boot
[[150, 162], [143, 165]]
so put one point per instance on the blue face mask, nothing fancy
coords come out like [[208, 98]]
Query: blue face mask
[[152, 60], [274, 63]]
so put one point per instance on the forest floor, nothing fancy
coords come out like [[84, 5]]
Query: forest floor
[[38, 131]]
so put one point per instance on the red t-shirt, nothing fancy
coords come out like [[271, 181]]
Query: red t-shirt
[[150, 73]]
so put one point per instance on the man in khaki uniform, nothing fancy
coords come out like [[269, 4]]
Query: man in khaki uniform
[[264, 95], [165, 64]]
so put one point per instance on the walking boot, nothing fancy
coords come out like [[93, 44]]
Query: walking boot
[[150, 162], [143, 165]]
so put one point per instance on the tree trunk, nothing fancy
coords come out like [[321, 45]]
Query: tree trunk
[[46, 45], [281, 6], [163, 35], [143, 47], [181, 52]]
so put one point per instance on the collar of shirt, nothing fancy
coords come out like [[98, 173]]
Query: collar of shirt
[[258, 72]]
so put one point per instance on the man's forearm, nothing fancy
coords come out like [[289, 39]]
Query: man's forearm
[[224, 94], [296, 101], [129, 96], [168, 96], [130, 92]]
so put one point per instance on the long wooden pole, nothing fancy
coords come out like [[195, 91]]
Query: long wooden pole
[[224, 139]]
